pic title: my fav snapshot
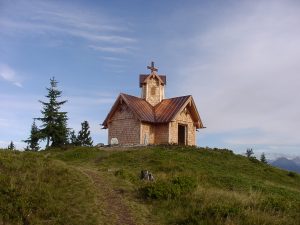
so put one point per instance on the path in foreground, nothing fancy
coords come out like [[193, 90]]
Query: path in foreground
[[115, 209]]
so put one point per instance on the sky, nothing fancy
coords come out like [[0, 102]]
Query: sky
[[239, 60]]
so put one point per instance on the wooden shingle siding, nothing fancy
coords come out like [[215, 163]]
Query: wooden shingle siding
[[162, 133], [124, 126], [148, 133], [183, 118]]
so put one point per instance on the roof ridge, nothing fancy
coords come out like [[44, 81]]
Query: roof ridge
[[179, 97], [164, 112]]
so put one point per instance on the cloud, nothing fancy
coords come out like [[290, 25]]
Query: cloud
[[108, 58], [9, 74], [111, 49], [58, 21], [243, 70]]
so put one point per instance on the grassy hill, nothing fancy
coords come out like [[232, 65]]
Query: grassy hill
[[192, 186]]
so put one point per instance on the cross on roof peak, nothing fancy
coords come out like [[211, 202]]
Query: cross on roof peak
[[152, 68]]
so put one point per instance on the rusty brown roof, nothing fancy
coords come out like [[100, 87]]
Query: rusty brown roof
[[167, 109], [140, 107], [164, 112], [144, 76]]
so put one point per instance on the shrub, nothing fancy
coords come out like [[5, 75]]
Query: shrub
[[291, 174], [169, 189]]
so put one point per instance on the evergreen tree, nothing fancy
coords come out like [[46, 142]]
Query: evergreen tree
[[54, 123], [33, 140], [263, 158], [11, 146], [84, 136], [73, 138], [249, 152]]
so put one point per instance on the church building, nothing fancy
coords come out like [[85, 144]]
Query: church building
[[151, 118]]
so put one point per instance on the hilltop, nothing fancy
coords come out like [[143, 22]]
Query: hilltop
[[192, 186]]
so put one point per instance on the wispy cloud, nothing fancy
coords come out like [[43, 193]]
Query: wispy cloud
[[243, 71], [48, 19], [111, 49], [9, 74], [109, 58]]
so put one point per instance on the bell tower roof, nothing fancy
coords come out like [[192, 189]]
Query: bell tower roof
[[153, 69]]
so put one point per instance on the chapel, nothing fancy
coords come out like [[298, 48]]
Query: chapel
[[152, 118]]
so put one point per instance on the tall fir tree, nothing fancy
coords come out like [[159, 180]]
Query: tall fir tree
[[11, 146], [73, 138], [263, 158], [54, 123], [84, 136], [34, 138]]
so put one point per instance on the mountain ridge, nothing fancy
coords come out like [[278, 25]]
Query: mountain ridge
[[287, 164]]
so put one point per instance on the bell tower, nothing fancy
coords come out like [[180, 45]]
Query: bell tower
[[152, 86]]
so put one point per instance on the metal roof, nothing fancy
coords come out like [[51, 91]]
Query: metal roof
[[140, 107], [164, 112], [167, 109]]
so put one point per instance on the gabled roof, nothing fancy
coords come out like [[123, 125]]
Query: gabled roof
[[143, 78], [167, 109], [140, 108], [164, 112]]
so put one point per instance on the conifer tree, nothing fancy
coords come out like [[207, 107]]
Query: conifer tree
[[54, 122], [73, 138], [263, 158], [84, 136], [11, 146], [249, 152], [34, 138]]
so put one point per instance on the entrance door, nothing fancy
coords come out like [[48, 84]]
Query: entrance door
[[181, 134]]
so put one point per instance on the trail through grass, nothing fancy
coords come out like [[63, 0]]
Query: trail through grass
[[192, 186]]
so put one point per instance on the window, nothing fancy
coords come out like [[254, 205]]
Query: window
[[153, 90]]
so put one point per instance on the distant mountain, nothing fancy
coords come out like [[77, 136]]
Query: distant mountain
[[288, 164], [297, 160]]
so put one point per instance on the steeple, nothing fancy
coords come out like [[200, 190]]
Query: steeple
[[152, 86]]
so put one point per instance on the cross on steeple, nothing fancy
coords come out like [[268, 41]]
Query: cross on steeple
[[152, 68]]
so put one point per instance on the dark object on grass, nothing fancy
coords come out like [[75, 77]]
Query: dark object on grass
[[146, 175]]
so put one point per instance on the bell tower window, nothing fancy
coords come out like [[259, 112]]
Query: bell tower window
[[153, 90]]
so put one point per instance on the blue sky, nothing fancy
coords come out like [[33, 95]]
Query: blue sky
[[239, 60]]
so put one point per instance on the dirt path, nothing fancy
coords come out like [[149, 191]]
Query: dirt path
[[114, 206]]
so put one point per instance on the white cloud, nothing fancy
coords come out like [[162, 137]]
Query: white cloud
[[9, 74], [111, 49], [56, 21], [243, 71], [108, 58]]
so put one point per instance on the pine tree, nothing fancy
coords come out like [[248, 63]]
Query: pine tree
[[84, 136], [263, 158], [249, 152], [11, 146], [33, 140], [54, 123], [73, 138]]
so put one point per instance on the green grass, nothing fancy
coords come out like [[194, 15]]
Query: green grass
[[37, 190], [192, 185]]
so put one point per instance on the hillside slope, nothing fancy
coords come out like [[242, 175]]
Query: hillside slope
[[192, 186]]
